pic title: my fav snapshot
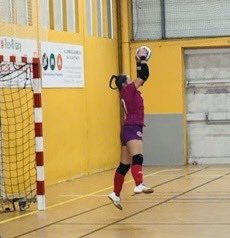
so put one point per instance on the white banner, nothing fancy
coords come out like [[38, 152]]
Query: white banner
[[11, 46], [18, 47], [62, 65]]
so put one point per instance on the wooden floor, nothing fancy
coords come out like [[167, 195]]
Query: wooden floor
[[188, 202]]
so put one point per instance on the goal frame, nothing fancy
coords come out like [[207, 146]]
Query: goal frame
[[37, 108]]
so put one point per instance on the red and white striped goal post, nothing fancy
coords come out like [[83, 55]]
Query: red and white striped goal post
[[39, 155]]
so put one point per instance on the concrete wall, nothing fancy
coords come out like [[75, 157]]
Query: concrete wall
[[163, 139]]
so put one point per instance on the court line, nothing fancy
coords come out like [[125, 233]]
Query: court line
[[174, 224], [79, 197], [156, 205], [155, 223], [204, 199], [182, 176], [67, 218]]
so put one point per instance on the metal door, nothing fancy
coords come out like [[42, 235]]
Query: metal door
[[208, 105]]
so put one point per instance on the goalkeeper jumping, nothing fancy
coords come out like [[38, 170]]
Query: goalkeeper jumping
[[132, 128]]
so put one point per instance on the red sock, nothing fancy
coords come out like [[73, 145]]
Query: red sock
[[136, 170], [118, 182]]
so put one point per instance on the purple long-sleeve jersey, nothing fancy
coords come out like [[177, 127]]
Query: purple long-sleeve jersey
[[133, 105]]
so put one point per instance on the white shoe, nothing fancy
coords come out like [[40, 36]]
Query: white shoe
[[141, 188], [115, 200]]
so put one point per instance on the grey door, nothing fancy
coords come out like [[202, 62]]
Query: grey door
[[207, 75]]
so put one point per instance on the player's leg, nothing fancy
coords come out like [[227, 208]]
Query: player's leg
[[122, 170], [135, 148], [119, 177]]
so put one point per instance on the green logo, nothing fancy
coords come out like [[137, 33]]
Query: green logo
[[52, 61]]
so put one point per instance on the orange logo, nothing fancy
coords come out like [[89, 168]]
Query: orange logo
[[59, 62]]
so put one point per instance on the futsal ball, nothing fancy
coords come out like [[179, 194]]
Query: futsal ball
[[143, 51]]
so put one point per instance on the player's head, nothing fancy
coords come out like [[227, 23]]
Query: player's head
[[120, 80]]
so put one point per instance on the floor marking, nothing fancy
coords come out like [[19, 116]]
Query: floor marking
[[70, 195], [211, 175], [80, 197]]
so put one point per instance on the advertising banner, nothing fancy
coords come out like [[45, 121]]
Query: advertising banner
[[62, 65], [10, 46]]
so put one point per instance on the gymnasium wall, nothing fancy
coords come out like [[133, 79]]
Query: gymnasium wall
[[81, 125]]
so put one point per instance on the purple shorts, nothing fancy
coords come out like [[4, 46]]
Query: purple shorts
[[131, 132]]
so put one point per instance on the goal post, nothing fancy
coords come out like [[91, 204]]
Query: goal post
[[21, 137], [39, 158]]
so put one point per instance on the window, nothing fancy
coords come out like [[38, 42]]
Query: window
[[44, 13], [110, 18], [186, 18], [58, 15], [157, 19], [70, 8], [16, 12], [89, 17], [146, 19], [99, 18], [6, 12], [21, 12], [103, 15]]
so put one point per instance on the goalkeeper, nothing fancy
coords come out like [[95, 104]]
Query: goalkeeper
[[132, 128]]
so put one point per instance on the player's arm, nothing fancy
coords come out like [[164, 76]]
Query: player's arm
[[142, 73], [142, 56]]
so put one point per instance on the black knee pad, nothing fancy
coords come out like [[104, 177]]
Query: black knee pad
[[123, 168], [138, 159]]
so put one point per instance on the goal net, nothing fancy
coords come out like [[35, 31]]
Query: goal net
[[17, 136]]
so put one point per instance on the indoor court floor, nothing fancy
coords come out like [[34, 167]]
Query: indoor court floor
[[188, 202]]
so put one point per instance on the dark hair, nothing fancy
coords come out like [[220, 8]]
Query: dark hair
[[119, 80]]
